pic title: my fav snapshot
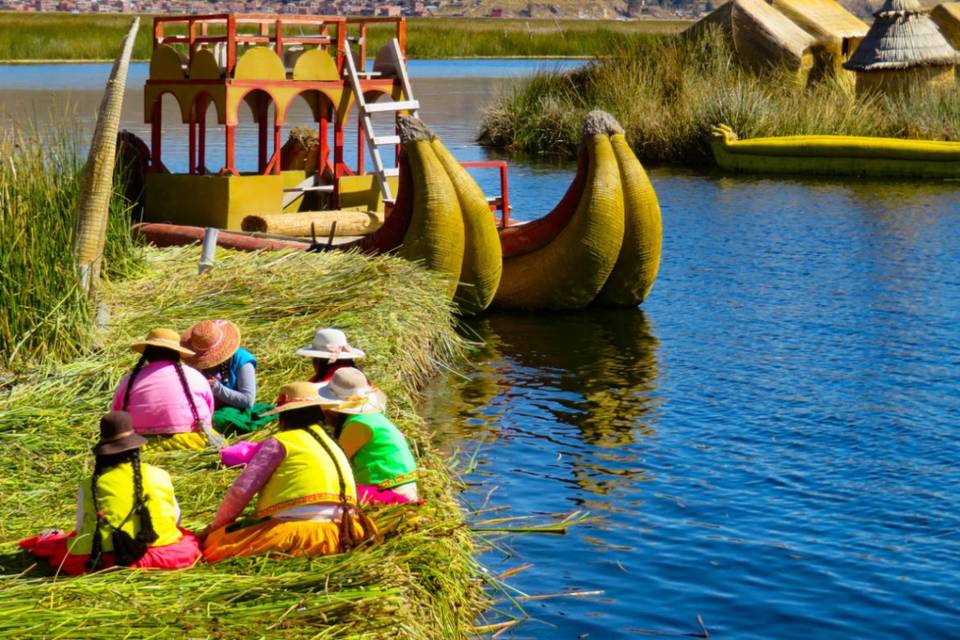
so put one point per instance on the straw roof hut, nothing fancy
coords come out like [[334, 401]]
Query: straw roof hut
[[947, 17], [835, 28], [760, 35], [903, 48]]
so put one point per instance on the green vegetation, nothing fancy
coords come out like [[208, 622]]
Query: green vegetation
[[421, 584], [57, 36], [44, 310], [668, 92]]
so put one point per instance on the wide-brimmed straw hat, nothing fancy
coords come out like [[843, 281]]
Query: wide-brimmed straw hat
[[349, 392], [117, 434], [165, 338], [213, 342], [332, 345], [296, 395]]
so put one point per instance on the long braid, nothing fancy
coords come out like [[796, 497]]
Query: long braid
[[96, 547], [147, 534], [186, 390], [133, 376]]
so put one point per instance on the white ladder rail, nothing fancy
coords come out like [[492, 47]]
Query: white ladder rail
[[367, 123], [374, 142]]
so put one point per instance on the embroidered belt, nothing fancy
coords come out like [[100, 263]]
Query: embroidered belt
[[296, 502], [396, 481]]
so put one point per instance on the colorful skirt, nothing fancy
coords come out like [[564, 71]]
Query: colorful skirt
[[176, 441], [301, 538], [55, 548], [231, 420], [370, 494]]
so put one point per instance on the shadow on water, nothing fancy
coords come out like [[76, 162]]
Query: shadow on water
[[586, 383]]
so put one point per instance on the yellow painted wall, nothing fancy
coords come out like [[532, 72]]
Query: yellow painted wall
[[210, 201]]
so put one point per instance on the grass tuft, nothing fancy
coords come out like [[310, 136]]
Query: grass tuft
[[668, 92]]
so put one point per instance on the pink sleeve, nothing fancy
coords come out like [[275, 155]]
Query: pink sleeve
[[117, 403], [254, 476]]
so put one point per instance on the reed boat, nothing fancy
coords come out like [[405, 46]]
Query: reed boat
[[599, 246], [836, 155]]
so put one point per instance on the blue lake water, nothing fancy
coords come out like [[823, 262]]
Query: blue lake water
[[770, 443]]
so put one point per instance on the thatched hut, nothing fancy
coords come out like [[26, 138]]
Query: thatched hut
[[947, 17], [903, 49], [761, 36], [837, 31]]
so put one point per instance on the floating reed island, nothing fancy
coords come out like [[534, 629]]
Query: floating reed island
[[420, 582], [669, 93]]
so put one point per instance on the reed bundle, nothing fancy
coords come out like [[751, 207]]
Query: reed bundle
[[419, 584], [319, 223]]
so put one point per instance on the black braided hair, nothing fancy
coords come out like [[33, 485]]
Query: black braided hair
[[186, 390], [322, 366], [151, 353], [103, 463], [147, 534], [96, 546]]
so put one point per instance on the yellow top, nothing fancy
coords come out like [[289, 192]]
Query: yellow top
[[307, 475]]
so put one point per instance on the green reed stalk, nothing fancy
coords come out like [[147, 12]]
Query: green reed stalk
[[42, 310]]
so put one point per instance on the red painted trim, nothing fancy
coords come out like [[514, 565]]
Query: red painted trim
[[529, 236]]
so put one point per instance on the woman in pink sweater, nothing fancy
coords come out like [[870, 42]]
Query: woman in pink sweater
[[169, 402]]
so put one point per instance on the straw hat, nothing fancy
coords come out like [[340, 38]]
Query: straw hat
[[117, 434], [213, 342], [330, 344], [296, 395], [166, 338], [349, 392]]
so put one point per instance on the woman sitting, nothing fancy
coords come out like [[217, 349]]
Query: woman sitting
[[231, 371], [127, 513], [170, 403], [330, 351], [382, 462], [306, 504]]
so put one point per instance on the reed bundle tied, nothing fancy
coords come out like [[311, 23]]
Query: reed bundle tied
[[418, 584], [318, 223]]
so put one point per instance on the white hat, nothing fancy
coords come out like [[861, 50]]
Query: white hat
[[330, 344], [349, 392]]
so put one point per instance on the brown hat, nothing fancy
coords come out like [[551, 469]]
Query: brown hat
[[117, 434], [212, 341], [295, 395], [164, 338]]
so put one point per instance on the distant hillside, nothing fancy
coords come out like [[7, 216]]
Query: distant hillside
[[614, 9]]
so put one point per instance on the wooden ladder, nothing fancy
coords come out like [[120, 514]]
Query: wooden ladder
[[375, 142]]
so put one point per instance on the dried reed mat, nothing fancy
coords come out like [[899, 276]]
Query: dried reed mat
[[349, 223], [761, 35], [420, 584], [902, 36], [823, 18], [947, 17]]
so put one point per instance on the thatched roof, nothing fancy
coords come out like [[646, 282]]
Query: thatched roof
[[760, 34], [947, 17], [823, 18], [902, 36]]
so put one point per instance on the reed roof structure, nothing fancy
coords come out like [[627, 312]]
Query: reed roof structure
[[823, 18], [760, 34], [902, 36], [947, 18]]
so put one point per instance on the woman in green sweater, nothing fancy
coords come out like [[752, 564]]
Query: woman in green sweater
[[383, 465]]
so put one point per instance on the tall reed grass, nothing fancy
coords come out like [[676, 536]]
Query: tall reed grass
[[669, 91], [43, 311]]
